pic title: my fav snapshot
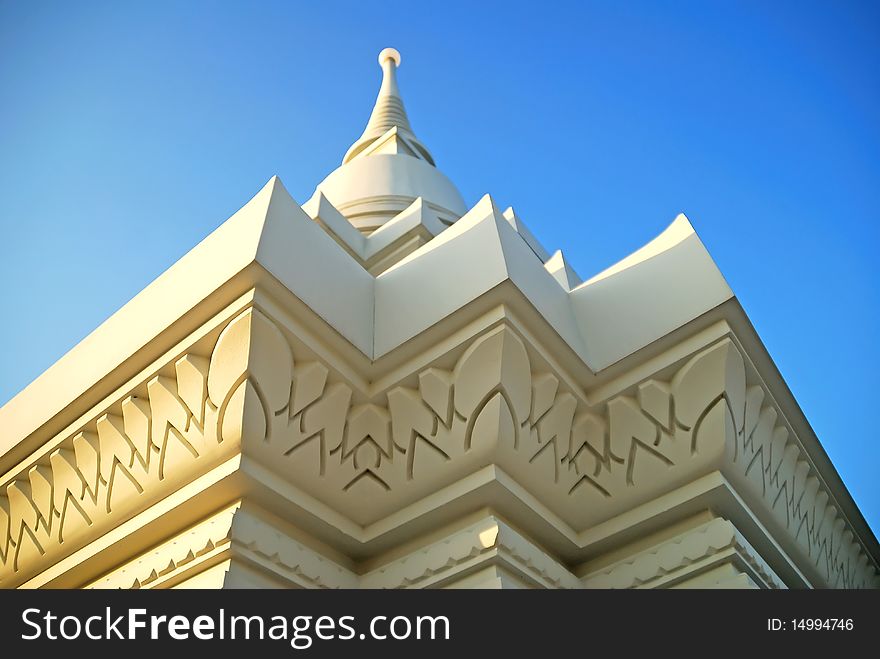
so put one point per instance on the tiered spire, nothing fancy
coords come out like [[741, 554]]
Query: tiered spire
[[389, 114]]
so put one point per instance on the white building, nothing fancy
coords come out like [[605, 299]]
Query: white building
[[384, 388]]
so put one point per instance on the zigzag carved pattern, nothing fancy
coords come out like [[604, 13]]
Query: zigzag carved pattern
[[118, 462], [491, 396]]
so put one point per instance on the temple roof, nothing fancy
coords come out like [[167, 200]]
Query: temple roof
[[380, 288], [667, 284]]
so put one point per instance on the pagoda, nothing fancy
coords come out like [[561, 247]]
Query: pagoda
[[385, 388]]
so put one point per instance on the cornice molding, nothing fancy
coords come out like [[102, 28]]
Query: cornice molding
[[685, 550], [185, 551], [260, 542], [487, 541]]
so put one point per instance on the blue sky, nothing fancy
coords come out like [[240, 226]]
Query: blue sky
[[129, 131]]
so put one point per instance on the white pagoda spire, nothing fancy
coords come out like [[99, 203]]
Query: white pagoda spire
[[387, 169], [388, 113]]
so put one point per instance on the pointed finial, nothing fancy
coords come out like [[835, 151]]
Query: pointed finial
[[389, 53], [389, 60], [388, 112]]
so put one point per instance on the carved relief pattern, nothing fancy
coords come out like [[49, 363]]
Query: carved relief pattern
[[186, 551], [255, 540], [770, 463], [494, 405], [687, 549], [485, 541], [128, 456], [493, 397], [490, 398]]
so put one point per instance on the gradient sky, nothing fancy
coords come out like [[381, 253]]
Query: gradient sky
[[129, 131]]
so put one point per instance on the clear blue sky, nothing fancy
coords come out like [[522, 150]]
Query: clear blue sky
[[129, 131]]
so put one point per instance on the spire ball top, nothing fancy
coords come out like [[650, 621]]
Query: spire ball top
[[389, 53]]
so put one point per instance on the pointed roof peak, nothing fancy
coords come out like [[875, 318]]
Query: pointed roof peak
[[388, 113]]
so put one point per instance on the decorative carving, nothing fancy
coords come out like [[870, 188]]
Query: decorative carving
[[706, 540], [495, 405], [237, 533], [493, 401], [231, 533], [771, 465], [487, 540], [490, 398], [254, 538], [182, 552], [134, 452]]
